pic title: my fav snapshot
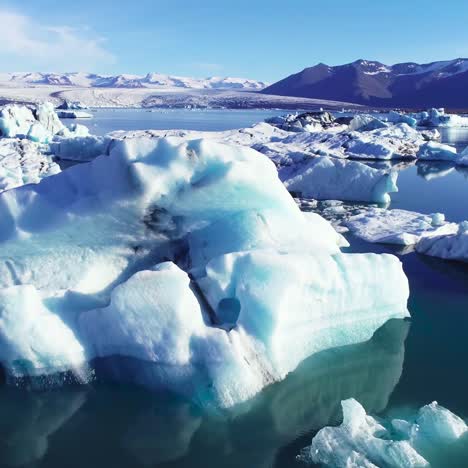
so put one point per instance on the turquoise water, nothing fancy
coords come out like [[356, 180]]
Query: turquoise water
[[405, 365]]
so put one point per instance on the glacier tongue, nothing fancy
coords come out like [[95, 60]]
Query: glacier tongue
[[93, 247]]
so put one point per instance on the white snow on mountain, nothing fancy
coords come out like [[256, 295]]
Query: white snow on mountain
[[151, 80]]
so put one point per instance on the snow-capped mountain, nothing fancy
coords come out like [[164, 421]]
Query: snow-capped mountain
[[151, 80], [373, 83]]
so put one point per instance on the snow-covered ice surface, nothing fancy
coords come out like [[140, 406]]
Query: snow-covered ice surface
[[88, 245], [397, 226], [325, 178], [364, 441], [438, 118], [450, 246], [434, 151], [23, 162]]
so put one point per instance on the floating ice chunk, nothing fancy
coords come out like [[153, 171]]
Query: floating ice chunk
[[86, 240], [39, 125], [397, 226], [72, 105], [305, 122], [330, 178], [397, 117], [47, 117], [452, 245], [438, 118], [366, 441], [393, 142], [365, 123], [437, 424], [23, 162], [74, 114], [34, 340], [434, 151], [81, 148], [361, 441], [15, 121]]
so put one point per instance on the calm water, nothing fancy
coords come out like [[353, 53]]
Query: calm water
[[108, 120], [406, 365]]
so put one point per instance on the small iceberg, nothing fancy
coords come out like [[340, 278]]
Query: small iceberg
[[364, 441]]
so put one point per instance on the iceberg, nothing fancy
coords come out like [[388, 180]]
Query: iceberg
[[450, 246], [305, 122], [81, 148], [364, 441], [23, 162], [434, 151], [184, 265], [397, 226], [40, 124], [15, 121], [71, 105], [365, 123], [325, 178], [74, 114], [398, 117], [438, 118]]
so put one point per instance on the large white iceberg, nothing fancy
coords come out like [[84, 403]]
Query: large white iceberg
[[251, 275], [364, 441]]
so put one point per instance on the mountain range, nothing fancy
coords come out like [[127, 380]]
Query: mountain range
[[151, 80], [406, 85]]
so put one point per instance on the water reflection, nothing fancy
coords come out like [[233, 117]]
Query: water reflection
[[429, 170], [27, 420], [111, 425]]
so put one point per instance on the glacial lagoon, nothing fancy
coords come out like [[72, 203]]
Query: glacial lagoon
[[407, 364]]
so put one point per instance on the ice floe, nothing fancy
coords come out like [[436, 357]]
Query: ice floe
[[364, 441]]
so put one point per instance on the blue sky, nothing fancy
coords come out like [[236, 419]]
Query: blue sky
[[257, 39]]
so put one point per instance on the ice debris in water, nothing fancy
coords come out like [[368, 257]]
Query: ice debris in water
[[364, 441], [184, 265]]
